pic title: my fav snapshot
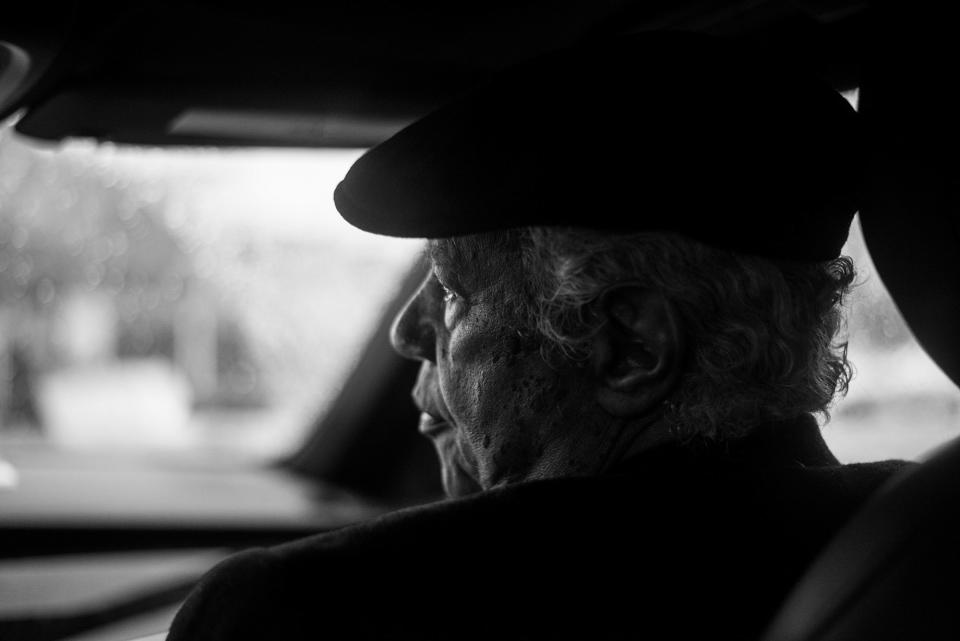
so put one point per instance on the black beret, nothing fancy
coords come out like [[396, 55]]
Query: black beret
[[660, 131]]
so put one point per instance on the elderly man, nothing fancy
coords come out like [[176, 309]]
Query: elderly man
[[629, 323]]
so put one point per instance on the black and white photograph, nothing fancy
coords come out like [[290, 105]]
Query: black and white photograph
[[486, 321]]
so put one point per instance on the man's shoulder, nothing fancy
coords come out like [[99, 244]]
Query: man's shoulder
[[575, 514], [578, 507], [500, 516], [564, 543], [362, 579]]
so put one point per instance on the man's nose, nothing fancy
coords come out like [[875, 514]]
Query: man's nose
[[412, 334]]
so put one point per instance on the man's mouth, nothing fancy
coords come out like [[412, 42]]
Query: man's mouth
[[431, 425]]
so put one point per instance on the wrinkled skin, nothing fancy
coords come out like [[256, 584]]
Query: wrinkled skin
[[498, 413]]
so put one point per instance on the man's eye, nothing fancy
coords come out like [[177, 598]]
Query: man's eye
[[448, 294]]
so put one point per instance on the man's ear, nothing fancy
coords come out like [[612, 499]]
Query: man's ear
[[637, 351]]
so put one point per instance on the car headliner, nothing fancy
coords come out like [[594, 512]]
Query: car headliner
[[336, 74]]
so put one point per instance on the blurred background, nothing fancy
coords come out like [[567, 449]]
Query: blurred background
[[200, 299], [213, 301]]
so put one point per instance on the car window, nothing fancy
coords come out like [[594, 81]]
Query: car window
[[900, 404], [203, 299]]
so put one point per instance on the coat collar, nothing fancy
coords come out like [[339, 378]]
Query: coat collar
[[795, 442]]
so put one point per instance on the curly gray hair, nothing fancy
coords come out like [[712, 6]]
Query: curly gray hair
[[761, 335]]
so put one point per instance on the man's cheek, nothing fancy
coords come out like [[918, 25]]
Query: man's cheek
[[463, 390]]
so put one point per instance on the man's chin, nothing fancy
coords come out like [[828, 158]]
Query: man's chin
[[456, 482]]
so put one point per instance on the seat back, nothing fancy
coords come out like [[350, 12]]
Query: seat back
[[894, 571]]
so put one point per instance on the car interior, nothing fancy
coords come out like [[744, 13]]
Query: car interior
[[104, 543]]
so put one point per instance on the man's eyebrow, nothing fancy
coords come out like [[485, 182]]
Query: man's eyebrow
[[444, 260], [438, 255]]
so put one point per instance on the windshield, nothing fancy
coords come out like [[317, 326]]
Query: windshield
[[204, 300], [213, 300]]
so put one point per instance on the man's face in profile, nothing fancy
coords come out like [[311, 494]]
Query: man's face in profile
[[495, 410]]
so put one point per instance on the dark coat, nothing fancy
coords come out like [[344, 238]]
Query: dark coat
[[699, 541]]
